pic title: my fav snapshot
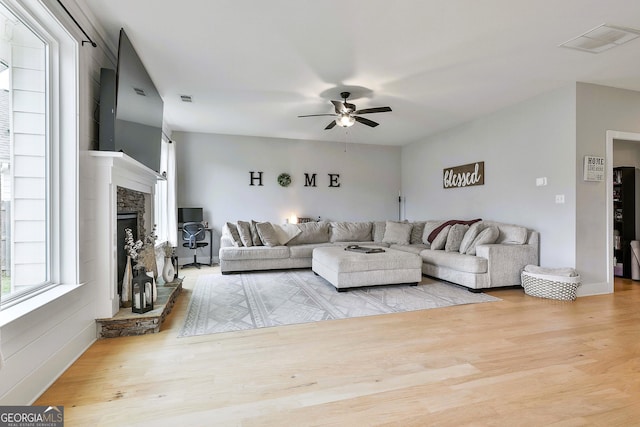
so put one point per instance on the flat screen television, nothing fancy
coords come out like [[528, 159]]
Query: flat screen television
[[190, 215], [131, 108]]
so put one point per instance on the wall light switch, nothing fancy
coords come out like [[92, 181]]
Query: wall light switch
[[541, 181], [559, 198]]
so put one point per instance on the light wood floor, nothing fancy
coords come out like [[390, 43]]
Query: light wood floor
[[522, 361]]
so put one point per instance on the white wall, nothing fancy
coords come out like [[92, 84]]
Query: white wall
[[533, 139], [599, 109], [213, 172], [39, 345]]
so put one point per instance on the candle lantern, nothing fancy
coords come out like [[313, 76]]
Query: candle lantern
[[142, 293]]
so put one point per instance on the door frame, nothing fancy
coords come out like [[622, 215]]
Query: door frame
[[612, 135]]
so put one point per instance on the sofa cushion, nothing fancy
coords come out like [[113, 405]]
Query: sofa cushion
[[513, 234], [441, 239], [267, 234], [470, 235], [455, 261], [244, 230], [253, 252], [286, 232], [311, 232], [347, 231], [455, 236], [254, 234], [414, 249], [417, 229], [377, 232], [235, 235], [485, 237], [397, 233], [429, 226], [306, 250]]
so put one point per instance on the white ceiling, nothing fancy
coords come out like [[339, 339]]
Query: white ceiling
[[253, 66]]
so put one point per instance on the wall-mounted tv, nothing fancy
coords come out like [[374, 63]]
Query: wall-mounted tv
[[130, 108]]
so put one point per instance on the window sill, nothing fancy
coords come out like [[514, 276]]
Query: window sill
[[33, 303]]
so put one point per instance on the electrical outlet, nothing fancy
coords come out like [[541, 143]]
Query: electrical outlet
[[559, 198], [541, 181]]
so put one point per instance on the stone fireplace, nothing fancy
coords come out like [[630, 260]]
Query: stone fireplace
[[122, 184]]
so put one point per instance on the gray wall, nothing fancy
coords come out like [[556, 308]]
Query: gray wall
[[519, 144], [599, 109], [213, 172]]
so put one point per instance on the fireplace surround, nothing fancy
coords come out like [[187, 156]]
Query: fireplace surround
[[115, 170]]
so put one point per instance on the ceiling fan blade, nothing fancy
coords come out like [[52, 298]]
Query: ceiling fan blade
[[366, 121], [316, 115], [373, 110], [330, 125], [339, 106]]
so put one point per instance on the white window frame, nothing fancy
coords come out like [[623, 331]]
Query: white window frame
[[62, 130]]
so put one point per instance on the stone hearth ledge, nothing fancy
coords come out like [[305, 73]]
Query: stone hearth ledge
[[126, 323]]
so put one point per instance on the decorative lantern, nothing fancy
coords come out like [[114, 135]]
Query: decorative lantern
[[142, 293]]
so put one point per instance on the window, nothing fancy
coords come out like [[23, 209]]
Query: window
[[38, 145]]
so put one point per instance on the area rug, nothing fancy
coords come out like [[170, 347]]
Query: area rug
[[223, 303]]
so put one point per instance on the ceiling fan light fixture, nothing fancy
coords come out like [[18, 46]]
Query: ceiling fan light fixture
[[345, 120]]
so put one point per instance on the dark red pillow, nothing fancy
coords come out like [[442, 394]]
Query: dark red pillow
[[439, 228]]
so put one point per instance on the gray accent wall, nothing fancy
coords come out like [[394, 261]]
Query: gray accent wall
[[213, 173], [543, 137], [535, 139], [599, 109]]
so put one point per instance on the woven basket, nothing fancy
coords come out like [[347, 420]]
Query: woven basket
[[547, 286]]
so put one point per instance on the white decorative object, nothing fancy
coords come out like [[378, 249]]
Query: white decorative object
[[125, 293], [168, 271], [152, 286]]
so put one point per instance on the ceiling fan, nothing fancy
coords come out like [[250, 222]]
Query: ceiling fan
[[346, 113]]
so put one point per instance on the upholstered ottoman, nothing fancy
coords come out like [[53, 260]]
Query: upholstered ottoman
[[346, 269]]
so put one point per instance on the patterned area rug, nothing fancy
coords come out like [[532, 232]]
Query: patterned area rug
[[274, 298]]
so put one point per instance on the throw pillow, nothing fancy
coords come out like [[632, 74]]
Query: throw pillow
[[233, 230], [470, 235], [441, 239], [429, 226], [311, 232], [286, 232], [347, 231], [378, 230], [487, 236], [435, 232], [244, 229], [397, 233], [254, 234], [455, 236], [417, 230], [267, 234]]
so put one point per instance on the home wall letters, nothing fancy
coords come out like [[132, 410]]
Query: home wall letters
[[255, 179]]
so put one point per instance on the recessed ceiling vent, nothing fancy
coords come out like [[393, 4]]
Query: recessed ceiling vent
[[186, 98], [601, 38], [139, 91]]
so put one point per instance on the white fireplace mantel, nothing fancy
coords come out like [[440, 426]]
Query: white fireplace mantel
[[113, 170]]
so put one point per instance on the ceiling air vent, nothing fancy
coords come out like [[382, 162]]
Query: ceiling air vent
[[139, 91], [186, 98], [601, 38]]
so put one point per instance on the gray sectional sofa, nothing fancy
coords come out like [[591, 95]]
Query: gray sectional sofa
[[476, 254]]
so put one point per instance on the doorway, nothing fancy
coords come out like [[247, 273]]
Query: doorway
[[611, 138]]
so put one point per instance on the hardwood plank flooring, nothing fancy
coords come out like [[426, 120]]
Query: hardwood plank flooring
[[522, 361]]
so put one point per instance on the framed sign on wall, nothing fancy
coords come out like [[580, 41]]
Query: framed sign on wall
[[463, 176], [593, 168]]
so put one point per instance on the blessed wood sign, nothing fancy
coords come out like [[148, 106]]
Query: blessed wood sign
[[463, 176]]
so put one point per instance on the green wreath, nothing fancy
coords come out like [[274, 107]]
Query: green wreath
[[284, 179]]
